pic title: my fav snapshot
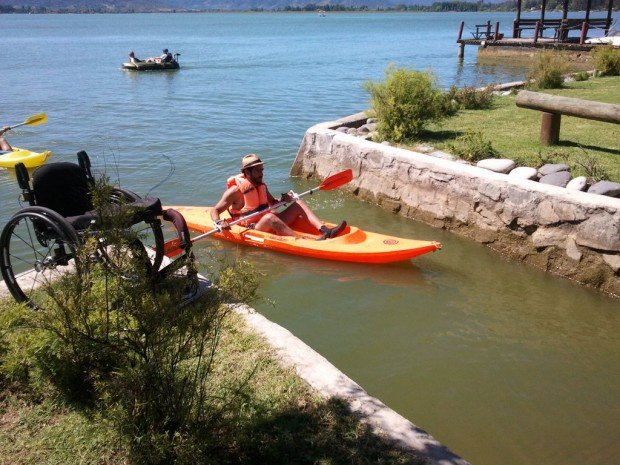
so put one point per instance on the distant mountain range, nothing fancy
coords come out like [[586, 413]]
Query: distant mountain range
[[226, 5]]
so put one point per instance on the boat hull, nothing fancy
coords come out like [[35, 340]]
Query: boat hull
[[151, 66], [28, 158], [352, 245]]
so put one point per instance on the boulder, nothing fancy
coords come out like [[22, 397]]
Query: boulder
[[352, 131], [371, 120], [342, 129], [524, 172], [608, 188], [551, 168], [499, 165], [442, 155], [577, 184], [560, 179]]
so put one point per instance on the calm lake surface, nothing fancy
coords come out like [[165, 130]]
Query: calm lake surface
[[503, 363]]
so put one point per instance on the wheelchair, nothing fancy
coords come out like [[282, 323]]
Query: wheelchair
[[42, 241]]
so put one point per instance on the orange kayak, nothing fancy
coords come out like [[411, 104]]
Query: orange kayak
[[352, 245]]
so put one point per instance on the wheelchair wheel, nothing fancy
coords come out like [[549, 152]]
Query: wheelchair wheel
[[149, 233], [37, 246]]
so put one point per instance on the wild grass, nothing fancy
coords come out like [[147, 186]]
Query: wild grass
[[274, 417]]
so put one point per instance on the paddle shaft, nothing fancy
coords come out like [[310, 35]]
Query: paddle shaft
[[331, 182], [255, 214]]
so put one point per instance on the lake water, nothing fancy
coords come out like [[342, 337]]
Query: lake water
[[503, 363]]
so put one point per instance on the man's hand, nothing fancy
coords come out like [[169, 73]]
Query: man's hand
[[288, 197], [4, 129], [220, 225]]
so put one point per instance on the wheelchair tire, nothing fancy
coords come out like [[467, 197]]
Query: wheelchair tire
[[37, 246], [150, 233]]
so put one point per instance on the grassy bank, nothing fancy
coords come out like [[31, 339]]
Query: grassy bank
[[514, 132], [274, 417]]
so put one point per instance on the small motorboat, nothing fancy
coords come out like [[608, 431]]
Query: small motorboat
[[28, 158], [151, 66]]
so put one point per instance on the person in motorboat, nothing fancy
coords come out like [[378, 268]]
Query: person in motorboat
[[166, 57], [246, 193], [5, 147], [133, 59]]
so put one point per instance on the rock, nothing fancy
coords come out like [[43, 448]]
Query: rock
[[572, 249], [524, 172], [550, 168], [371, 120], [577, 184], [342, 129], [442, 155], [385, 142], [352, 131], [608, 188], [613, 261], [560, 179], [499, 165], [364, 129], [423, 148]]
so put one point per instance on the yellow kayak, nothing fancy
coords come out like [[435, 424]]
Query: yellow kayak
[[28, 158]]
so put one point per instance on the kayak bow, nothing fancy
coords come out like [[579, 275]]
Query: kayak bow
[[28, 158], [352, 245]]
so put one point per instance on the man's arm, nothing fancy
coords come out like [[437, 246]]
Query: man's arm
[[227, 200]]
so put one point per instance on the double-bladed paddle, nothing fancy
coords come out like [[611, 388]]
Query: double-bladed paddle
[[33, 120], [172, 248]]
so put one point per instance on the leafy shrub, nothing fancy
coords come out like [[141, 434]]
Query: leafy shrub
[[548, 69], [591, 166], [116, 340], [472, 146], [406, 102], [607, 60], [470, 98], [581, 76]]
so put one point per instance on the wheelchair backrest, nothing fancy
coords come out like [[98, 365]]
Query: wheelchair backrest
[[63, 187]]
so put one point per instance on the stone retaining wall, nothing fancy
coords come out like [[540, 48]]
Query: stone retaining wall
[[572, 234]]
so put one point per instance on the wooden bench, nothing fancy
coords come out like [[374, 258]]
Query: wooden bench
[[580, 25], [535, 25], [483, 31], [554, 106]]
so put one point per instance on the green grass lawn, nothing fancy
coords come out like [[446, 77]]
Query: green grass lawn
[[514, 132]]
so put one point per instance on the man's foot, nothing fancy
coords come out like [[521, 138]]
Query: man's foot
[[329, 233]]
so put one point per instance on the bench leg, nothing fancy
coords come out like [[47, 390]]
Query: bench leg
[[550, 128]]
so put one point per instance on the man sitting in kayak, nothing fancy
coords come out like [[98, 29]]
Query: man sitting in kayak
[[247, 194], [5, 147]]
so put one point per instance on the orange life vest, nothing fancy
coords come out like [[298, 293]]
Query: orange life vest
[[254, 197]]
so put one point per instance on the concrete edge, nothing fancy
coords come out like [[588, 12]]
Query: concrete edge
[[330, 382], [460, 168]]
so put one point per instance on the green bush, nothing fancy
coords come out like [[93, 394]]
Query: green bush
[[548, 69], [607, 60], [115, 340], [470, 98], [406, 102], [472, 146], [582, 76]]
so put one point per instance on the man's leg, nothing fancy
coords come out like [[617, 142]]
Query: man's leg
[[4, 145], [297, 210], [272, 224]]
